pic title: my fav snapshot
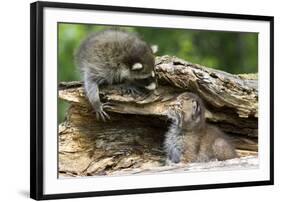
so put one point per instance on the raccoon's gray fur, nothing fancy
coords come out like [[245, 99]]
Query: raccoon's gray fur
[[115, 57], [191, 139]]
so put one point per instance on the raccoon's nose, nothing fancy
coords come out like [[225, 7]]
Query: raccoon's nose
[[151, 86]]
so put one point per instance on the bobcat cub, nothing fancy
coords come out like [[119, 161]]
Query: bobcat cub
[[190, 138]]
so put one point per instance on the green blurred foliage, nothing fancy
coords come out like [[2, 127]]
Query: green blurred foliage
[[234, 52]]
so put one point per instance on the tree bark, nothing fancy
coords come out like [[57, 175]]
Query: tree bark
[[132, 140]]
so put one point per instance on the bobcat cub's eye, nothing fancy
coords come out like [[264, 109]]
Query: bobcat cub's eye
[[137, 66]]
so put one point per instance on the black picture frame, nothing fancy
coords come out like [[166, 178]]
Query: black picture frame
[[37, 100]]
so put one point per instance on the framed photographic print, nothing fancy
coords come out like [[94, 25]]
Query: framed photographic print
[[135, 100]]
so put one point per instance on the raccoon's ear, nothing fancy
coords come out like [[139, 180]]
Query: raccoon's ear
[[196, 109], [137, 66], [154, 48]]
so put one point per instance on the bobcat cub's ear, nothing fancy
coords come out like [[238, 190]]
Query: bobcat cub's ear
[[196, 109], [137, 66]]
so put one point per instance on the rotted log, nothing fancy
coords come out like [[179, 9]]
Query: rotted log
[[132, 140]]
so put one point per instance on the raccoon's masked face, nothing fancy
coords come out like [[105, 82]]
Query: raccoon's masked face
[[142, 71], [145, 80]]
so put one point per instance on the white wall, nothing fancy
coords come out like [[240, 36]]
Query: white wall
[[14, 82]]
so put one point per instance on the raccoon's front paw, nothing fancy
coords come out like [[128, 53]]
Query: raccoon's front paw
[[133, 90], [174, 155], [100, 113]]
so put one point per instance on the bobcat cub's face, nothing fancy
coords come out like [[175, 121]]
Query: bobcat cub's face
[[193, 112]]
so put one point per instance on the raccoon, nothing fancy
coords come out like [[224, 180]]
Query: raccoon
[[115, 57], [191, 139]]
